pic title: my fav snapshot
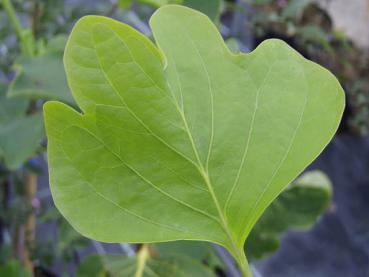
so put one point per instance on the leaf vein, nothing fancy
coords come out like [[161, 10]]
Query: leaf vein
[[146, 180], [249, 135]]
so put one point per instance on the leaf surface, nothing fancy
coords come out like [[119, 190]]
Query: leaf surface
[[182, 139]]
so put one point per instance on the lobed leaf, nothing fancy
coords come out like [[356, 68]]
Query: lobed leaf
[[182, 139]]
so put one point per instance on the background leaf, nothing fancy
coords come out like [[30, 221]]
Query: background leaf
[[20, 134], [10, 109], [13, 269], [122, 266], [42, 76], [209, 7], [20, 139], [159, 3], [201, 251], [298, 207]]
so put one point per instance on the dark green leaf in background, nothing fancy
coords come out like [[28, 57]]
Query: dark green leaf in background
[[10, 109], [13, 269], [160, 3], [42, 76], [209, 7], [121, 266], [201, 251], [20, 139], [20, 134], [298, 207]]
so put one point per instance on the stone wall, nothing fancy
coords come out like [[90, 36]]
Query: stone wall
[[350, 16]]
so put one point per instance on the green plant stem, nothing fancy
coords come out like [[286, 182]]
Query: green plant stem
[[243, 264], [9, 9], [237, 252], [241, 260], [30, 224], [142, 258], [24, 35]]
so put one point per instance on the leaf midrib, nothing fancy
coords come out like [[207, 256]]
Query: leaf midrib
[[204, 170], [231, 243]]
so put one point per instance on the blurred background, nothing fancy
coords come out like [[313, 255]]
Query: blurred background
[[318, 227]]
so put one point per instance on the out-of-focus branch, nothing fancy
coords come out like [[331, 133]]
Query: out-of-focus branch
[[24, 35], [30, 224]]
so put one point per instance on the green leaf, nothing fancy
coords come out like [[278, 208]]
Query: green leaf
[[42, 76], [198, 250], [186, 142], [56, 45], [298, 207], [10, 109], [176, 265], [124, 4], [20, 139], [159, 3], [314, 33], [122, 266], [13, 269], [209, 7], [93, 266], [20, 135], [294, 8], [233, 45]]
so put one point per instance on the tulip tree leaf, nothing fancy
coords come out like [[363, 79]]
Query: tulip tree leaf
[[182, 139], [298, 207], [122, 266]]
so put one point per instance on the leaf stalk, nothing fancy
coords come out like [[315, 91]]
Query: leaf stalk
[[237, 252], [142, 257], [243, 264]]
